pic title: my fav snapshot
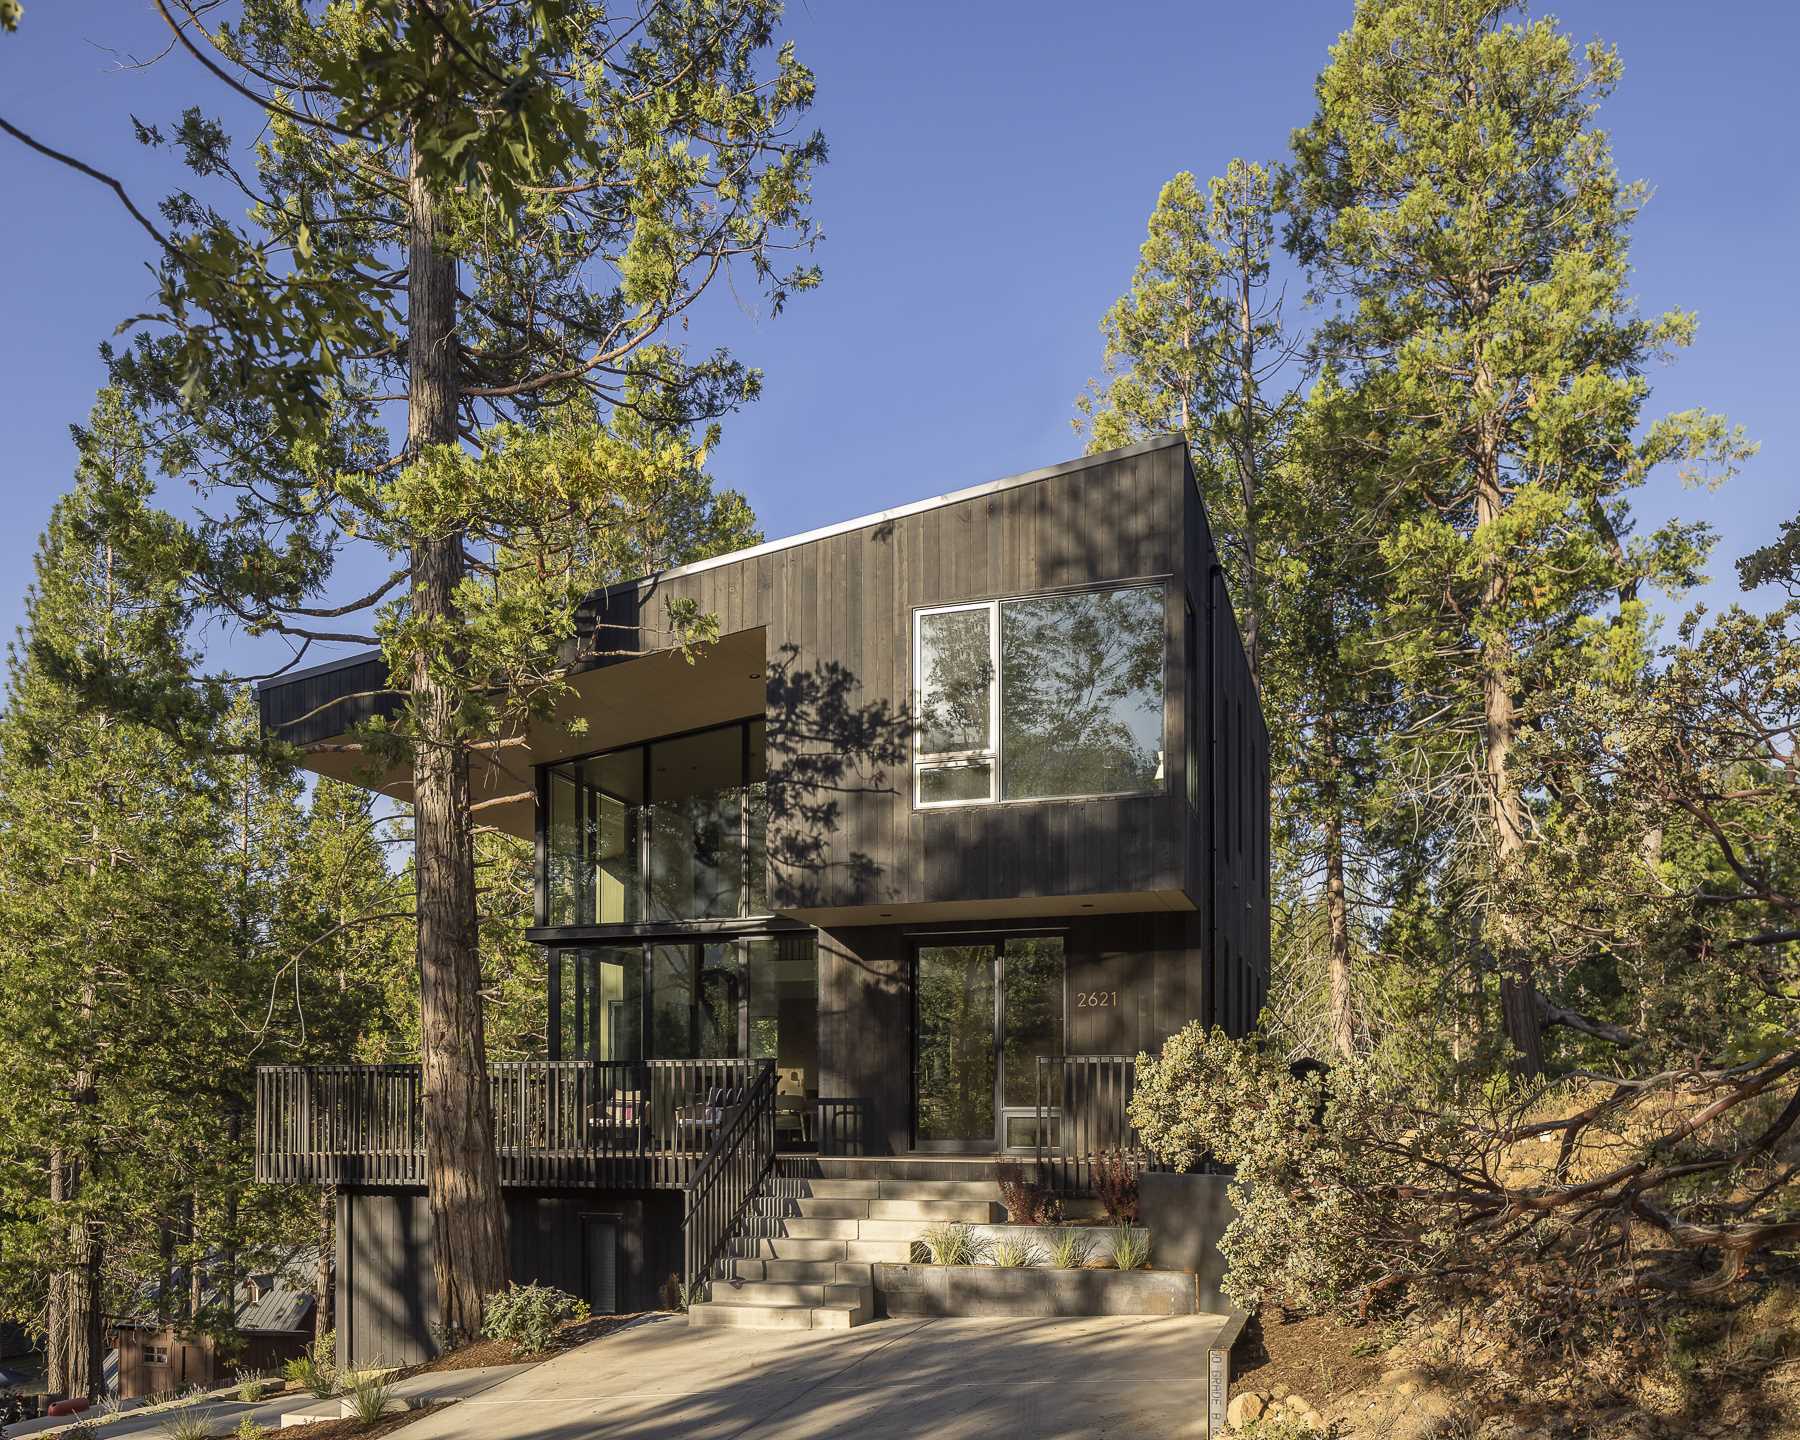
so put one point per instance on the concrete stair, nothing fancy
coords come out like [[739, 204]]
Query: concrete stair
[[804, 1263]]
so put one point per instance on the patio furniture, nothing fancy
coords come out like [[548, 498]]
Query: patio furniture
[[697, 1122]]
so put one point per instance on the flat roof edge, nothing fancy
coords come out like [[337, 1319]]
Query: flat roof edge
[[897, 512], [324, 667], [807, 537]]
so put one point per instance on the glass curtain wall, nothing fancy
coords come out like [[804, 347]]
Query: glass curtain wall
[[692, 1000], [668, 831]]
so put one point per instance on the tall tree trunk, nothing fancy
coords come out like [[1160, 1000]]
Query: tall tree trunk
[[1506, 816], [323, 1318], [234, 1129], [468, 1222], [1248, 478], [196, 1275], [1337, 915], [165, 1274], [56, 1301], [87, 1323]]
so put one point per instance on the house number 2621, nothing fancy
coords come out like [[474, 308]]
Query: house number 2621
[[1095, 998]]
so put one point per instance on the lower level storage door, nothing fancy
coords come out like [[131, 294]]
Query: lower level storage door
[[600, 1263]]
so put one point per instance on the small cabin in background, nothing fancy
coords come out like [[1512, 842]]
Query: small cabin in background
[[274, 1324]]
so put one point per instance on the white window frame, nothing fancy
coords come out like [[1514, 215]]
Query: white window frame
[[993, 755], [957, 759]]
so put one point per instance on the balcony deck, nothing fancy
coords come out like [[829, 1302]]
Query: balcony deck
[[604, 1124], [628, 1124]]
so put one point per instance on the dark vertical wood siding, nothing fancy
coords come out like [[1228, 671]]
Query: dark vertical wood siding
[[837, 614], [387, 1296]]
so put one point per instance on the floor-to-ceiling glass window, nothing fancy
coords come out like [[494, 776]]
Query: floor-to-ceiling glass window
[[956, 1057], [986, 1012], [678, 999], [670, 831], [597, 1002]]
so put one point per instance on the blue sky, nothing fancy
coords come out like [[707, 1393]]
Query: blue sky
[[992, 167]]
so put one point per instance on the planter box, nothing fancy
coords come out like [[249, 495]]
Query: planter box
[[993, 1290], [1100, 1238]]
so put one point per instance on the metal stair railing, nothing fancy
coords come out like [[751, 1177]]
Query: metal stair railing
[[725, 1185]]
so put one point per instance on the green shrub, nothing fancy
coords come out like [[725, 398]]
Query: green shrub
[[1318, 1219], [316, 1371], [1069, 1249], [951, 1243], [528, 1315], [1014, 1254], [1130, 1248], [370, 1395], [184, 1424], [252, 1385]]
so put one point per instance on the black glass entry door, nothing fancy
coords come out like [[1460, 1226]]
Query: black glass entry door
[[985, 1012]]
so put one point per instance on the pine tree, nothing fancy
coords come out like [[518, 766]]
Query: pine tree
[[1197, 348], [1455, 192], [1330, 698], [107, 907], [502, 215]]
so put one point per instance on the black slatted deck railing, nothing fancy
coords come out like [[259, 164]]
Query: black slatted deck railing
[[1081, 1115], [632, 1124]]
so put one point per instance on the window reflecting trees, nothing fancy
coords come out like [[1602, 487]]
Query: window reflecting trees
[[672, 830], [1056, 695]]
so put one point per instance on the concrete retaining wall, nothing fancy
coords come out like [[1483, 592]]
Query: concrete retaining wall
[[994, 1290], [1186, 1215]]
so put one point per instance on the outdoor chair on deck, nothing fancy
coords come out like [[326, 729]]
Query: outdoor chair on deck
[[696, 1123], [616, 1121]]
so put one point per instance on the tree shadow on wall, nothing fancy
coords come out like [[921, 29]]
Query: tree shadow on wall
[[828, 756]]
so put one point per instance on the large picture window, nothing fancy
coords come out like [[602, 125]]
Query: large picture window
[[1039, 698], [672, 830]]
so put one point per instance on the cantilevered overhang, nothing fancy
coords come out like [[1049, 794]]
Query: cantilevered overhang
[[818, 633], [616, 703]]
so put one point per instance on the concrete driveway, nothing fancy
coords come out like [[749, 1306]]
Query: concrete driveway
[[1142, 1378]]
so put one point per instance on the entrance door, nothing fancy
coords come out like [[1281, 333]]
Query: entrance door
[[985, 1013]]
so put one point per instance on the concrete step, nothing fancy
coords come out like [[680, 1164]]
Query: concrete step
[[843, 1189], [890, 1229], [880, 1252], [711, 1313], [782, 1292], [803, 1227], [812, 1272], [840, 1316], [974, 1212], [786, 1247], [829, 1207], [939, 1190]]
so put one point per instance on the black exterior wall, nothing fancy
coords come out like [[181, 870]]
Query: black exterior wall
[[387, 1297], [1157, 963], [835, 616]]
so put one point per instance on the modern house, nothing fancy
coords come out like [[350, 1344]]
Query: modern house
[[966, 806]]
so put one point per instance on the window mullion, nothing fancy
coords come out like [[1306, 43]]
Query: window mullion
[[998, 760]]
